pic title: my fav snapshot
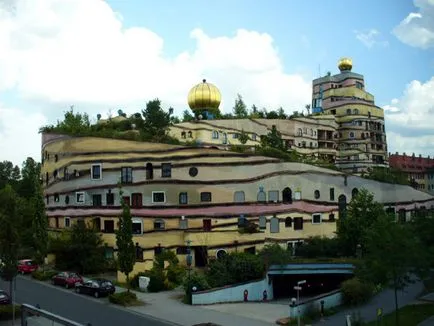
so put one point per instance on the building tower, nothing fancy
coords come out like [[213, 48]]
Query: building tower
[[361, 134], [204, 100]]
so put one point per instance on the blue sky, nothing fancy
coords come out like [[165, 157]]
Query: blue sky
[[102, 56]]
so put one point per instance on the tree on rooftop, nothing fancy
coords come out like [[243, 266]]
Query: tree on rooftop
[[157, 121], [240, 108], [124, 242], [273, 139], [243, 137]]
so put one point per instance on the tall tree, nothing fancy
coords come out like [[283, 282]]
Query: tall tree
[[9, 236], [273, 139], [281, 113], [39, 225], [157, 121], [240, 108], [243, 137], [362, 212], [124, 242], [187, 116], [392, 254], [30, 178]]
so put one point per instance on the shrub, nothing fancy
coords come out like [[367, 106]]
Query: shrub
[[355, 291], [157, 278], [6, 311], [43, 275], [123, 298], [175, 274], [195, 279]]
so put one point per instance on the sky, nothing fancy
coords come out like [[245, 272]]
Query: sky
[[102, 56]]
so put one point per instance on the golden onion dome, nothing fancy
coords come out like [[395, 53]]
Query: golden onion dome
[[204, 96], [345, 64]]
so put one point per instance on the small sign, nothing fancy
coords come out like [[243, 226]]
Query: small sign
[[297, 288]]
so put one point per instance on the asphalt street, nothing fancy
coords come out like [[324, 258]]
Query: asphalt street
[[79, 308]]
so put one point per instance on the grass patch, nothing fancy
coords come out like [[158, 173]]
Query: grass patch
[[410, 315], [126, 299], [6, 312]]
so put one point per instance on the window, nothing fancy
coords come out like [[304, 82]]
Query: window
[[316, 194], [261, 197], [126, 200], [297, 195], [242, 221], [158, 197], [110, 198], [235, 136], [137, 227], [95, 172], [274, 224], [273, 196], [254, 137], [205, 197], [332, 194], [127, 175], [79, 197], [136, 200], [183, 223], [158, 250], [331, 217], [215, 135], [298, 223], [183, 198], [262, 222], [183, 135], [182, 250], [159, 224], [239, 197], [109, 226], [96, 200], [66, 199], [351, 134], [190, 134], [67, 222], [149, 171], [166, 170], [316, 219], [288, 222], [193, 171], [56, 198], [206, 223]]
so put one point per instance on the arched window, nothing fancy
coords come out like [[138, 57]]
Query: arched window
[[183, 135], [149, 171], [354, 192], [288, 222], [356, 111], [316, 194], [215, 134], [190, 134], [287, 195], [262, 197]]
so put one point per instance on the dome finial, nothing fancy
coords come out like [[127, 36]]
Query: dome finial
[[345, 64], [204, 80]]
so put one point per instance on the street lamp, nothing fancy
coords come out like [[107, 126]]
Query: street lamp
[[298, 289]]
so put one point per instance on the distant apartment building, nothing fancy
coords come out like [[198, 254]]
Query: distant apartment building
[[420, 170]]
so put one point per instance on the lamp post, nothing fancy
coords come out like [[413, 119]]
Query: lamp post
[[298, 289], [189, 261]]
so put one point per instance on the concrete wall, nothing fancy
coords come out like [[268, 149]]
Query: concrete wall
[[235, 293], [332, 299]]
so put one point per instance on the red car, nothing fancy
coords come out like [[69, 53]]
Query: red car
[[27, 266], [67, 279]]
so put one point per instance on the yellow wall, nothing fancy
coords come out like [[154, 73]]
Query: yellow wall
[[349, 91], [341, 112]]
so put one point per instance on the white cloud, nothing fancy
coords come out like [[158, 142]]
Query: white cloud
[[18, 134], [410, 119], [417, 29], [61, 52], [370, 37]]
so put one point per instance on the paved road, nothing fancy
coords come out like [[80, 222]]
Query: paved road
[[79, 308]]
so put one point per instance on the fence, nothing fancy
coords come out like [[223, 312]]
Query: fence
[[34, 316]]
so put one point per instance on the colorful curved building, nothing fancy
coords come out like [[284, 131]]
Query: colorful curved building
[[211, 198]]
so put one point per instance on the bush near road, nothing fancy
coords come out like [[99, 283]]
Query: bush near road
[[124, 299], [6, 312], [43, 275]]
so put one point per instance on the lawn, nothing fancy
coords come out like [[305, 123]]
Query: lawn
[[409, 315]]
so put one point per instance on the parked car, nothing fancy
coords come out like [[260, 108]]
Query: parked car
[[97, 287], [66, 279], [27, 266], [4, 298]]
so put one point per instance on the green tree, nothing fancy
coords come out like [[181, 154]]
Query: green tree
[[240, 108], [157, 121], [72, 124], [281, 113], [30, 171], [187, 116], [39, 225], [272, 115], [243, 137], [362, 212], [274, 254], [9, 174], [392, 254], [273, 139], [124, 242]]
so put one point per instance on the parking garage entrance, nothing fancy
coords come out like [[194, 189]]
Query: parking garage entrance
[[320, 278]]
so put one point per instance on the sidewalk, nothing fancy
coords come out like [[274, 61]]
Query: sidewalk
[[384, 300]]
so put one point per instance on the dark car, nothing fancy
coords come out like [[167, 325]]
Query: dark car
[[97, 287], [66, 279], [4, 298]]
